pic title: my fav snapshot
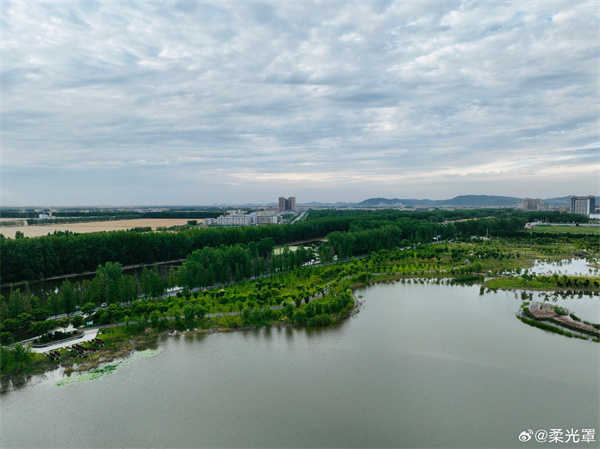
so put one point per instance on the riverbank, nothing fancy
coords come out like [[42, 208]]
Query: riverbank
[[71, 363], [123, 339], [308, 296]]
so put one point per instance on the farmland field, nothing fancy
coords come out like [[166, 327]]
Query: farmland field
[[93, 226]]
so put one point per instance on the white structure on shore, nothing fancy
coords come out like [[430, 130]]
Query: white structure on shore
[[239, 218]]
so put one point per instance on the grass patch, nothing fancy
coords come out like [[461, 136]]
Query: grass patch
[[567, 229]]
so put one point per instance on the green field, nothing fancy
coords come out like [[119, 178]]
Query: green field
[[568, 229]]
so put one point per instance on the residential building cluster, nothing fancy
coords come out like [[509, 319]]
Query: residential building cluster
[[287, 204], [585, 205], [239, 218], [534, 204]]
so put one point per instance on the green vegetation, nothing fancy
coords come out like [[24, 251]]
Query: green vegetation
[[561, 326], [567, 229], [232, 278], [358, 232], [547, 327], [535, 282]]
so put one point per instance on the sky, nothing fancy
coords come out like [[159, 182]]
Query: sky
[[235, 102]]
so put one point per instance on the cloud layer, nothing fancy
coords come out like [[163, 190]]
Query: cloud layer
[[234, 102]]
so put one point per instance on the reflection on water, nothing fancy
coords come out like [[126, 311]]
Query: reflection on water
[[422, 365], [571, 267]]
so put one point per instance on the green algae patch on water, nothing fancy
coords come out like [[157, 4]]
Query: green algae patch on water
[[107, 370]]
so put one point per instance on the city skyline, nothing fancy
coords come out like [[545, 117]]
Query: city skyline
[[184, 103]]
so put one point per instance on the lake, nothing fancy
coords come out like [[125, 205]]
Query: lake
[[421, 365], [570, 267]]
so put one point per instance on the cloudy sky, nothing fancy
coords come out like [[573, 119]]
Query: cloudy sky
[[192, 102]]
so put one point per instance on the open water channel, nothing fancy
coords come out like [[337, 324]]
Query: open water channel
[[421, 365]]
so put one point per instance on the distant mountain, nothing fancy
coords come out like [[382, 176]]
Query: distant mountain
[[485, 200], [459, 201], [338, 204], [555, 202]]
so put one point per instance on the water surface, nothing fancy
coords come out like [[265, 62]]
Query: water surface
[[421, 365]]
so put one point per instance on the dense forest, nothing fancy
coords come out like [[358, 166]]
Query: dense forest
[[34, 258], [31, 258]]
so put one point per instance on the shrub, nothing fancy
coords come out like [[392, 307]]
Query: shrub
[[300, 317], [320, 320], [559, 311], [231, 321], [6, 338], [77, 320]]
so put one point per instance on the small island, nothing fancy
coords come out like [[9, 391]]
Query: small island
[[558, 320]]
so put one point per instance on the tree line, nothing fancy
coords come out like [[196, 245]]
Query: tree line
[[367, 234], [32, 258]]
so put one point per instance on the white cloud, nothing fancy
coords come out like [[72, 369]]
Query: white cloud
[[391, 95]]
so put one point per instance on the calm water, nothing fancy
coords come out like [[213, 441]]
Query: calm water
[[571, 267], [421, 365]]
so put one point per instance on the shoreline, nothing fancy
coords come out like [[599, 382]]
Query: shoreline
[[149, 338], [137, 342], [558, 320], [133, 336]]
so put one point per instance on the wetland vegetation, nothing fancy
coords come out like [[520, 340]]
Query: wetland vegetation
[[235, 279]]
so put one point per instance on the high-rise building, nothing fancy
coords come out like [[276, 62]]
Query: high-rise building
[[534, 204], [531, 203], [583, 204], [286, 204]]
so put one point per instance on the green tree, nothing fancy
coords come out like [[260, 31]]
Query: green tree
[[53, 304], [41, 327], [300, 317], [11, 325], [152, 284], [15, 303], [40, 314], [21, 356], [176, 313], [64, 322], [289, 310], [67, 297], [298, 299], [88, 308], [6, 338], [201, 312], [189, 313], [77, 320], [155, 318]]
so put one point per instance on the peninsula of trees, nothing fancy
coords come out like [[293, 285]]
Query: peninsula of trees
[[236, 277]]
